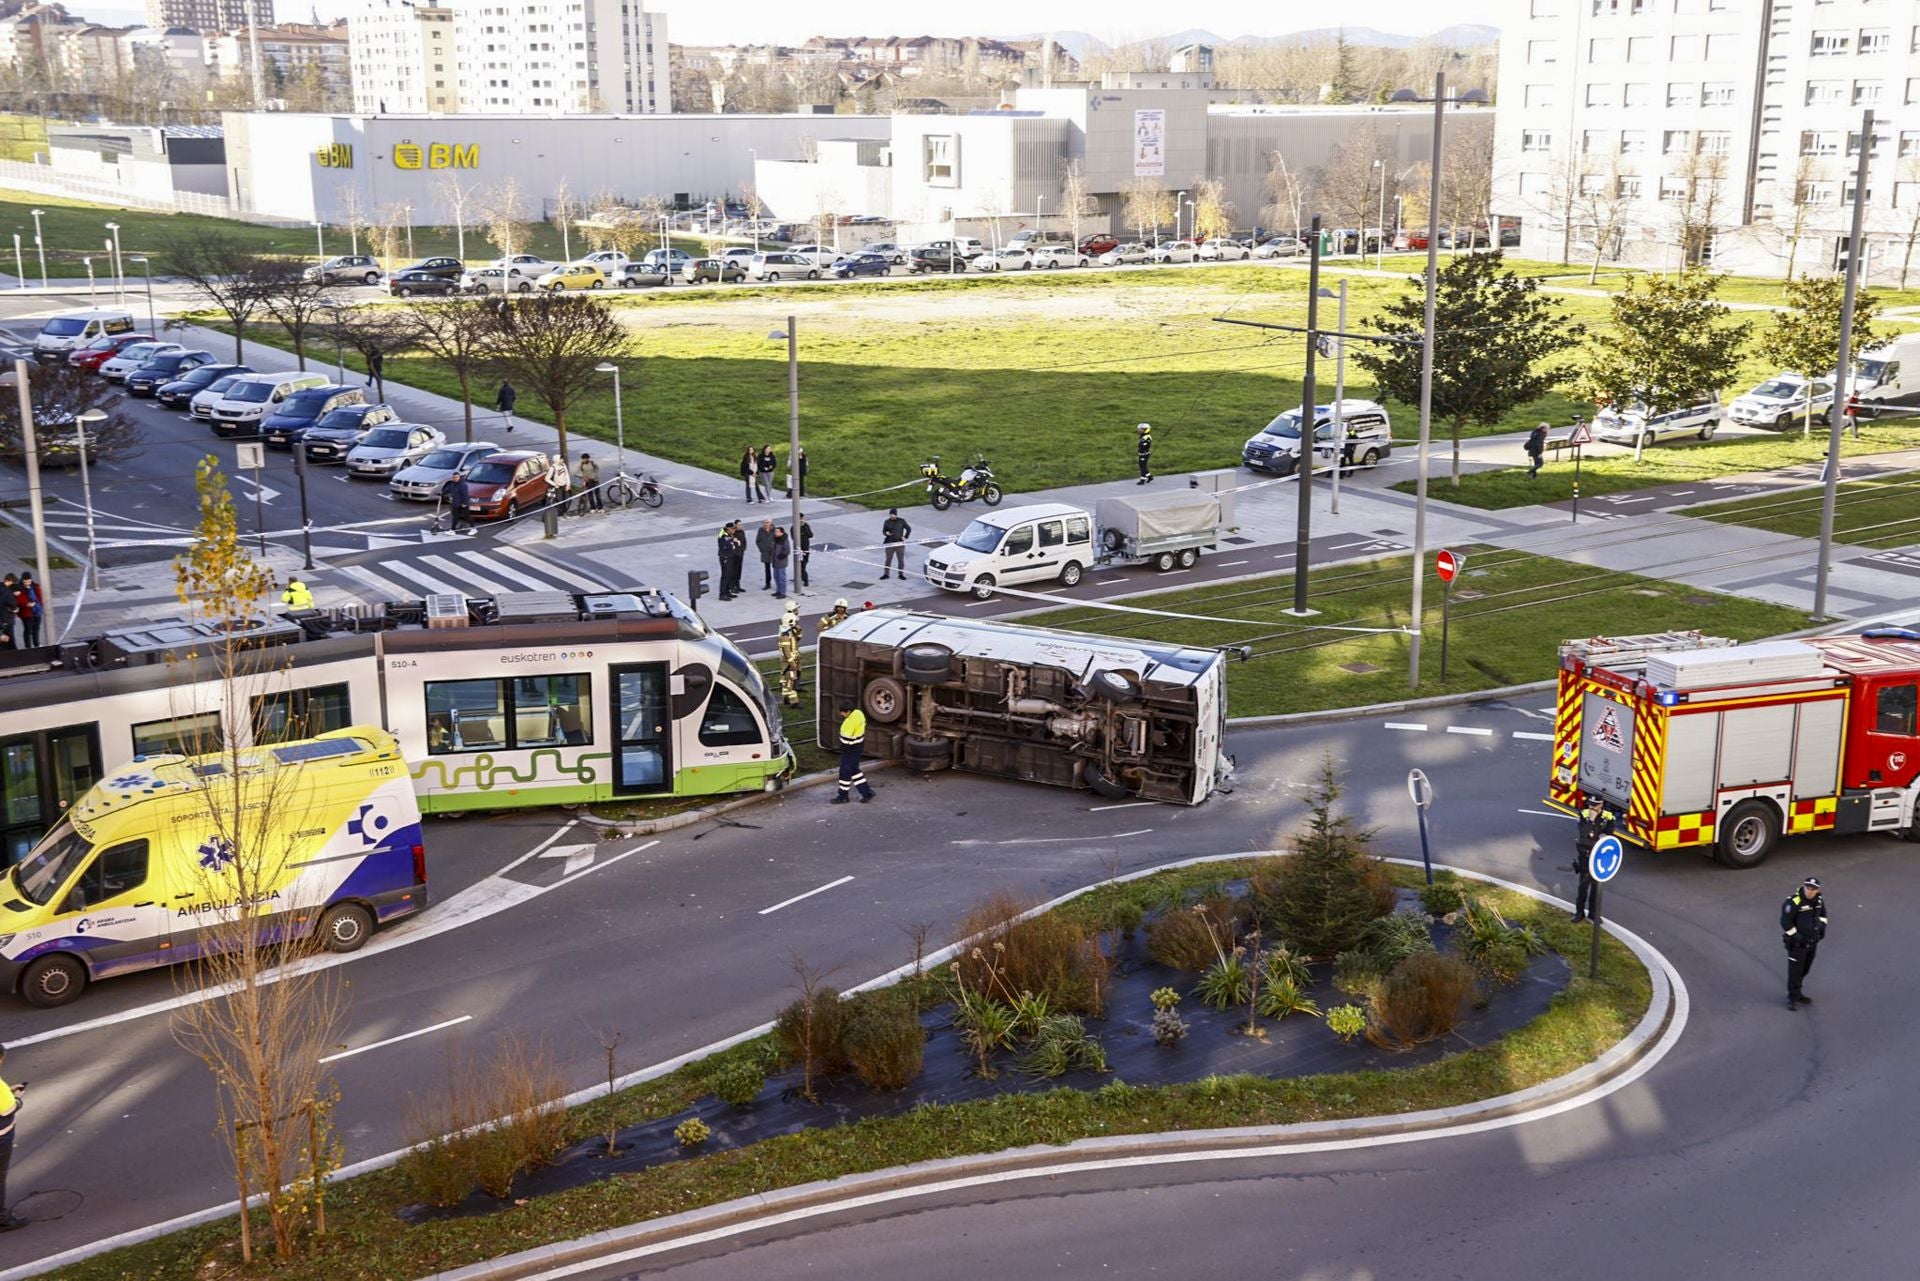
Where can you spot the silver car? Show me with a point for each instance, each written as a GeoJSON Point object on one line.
{"type": "Point", "coordinates": [427, 479]}
{"type": "Point", "coordinates": [494, 280]}
{"type": "Point", "coordinates": [385, 450]}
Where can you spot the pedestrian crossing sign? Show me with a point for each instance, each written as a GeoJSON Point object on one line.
{"type": "Point", "coordinates": [1582, 434]}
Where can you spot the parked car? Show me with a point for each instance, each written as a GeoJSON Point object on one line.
{"type": "Point", "coordinates": [529, 266]}
{"type": "Point", "coordinates": [739, 255]}
{"type": "Point", "coordinates": [925, 259]}
{"type": "Point", "coordinates": [1781, 401]}
{"type": "Point", "coordinates": [305, 408]}
{"type": "Point", "coordinates": [184, 388]}
{"type": "Point", "coordinates": [781, 266]}
{"type": "Point", "coordinates": [1633, 424]}
{"type": "Point", "coordinates": [1006, 259]}
{"type": "Point", "coordinates": [573, 276]}
{"type": "Point", "coordinates": [102, 349]}
{"type": "Point", "coordinates": [494, 280]}
{"type": "Point", "coordinates": [405, 284]}
{"type": "Point", "coordinates": [129, 358]}
{"type": "Point", "coordinates": [724, 270]}
{"type": "Point", "coordinates": [336, 432]}
{"type": "Point", "coordinates": [963, 247]}
{"type": "Point", "coordinates": [164, 368]}
{"type": "Point", "coordinates": [448, 269]}
{"type": "Point", "coordinates": [640, 275]}
{"type": "Point", "coordinates": [344, 268]}
{"type": "Point", "coordinates": [895, 254]}
{"type": "Point", "coordinates": [1280, 247]}
{"type": "Point", "coordinates": [1174, 251]}
{"type": "Point", "coordinates": [607, 260]}
{"type": "Point", "coordinates": [336, 424]}
{"type": "Point", "coordinates": [669, 259]}
{"type": "Point", "coordinates": [427, 479]}
{"type": "Point", "coordinates": [1059, 256]}
{"type": "Point", "coordinates": [507, 483]}
{"type": "Point", "coordinates": [863, 265]}
{"type": "Point", "coordinates": [1276, 447]}
{"type": "Point", "coordinates": [1127, 252]}
{"type": "Point", "coordinates": [819, 255]}
{"type": "Point", "coordinates": [1098, 243]}
{"type": "Point", "coordinates": [251, 397]}
{"type": "Point", "coordinates": [1224, 250]}
{"type": "Point", "coordinates": [200, 404]}
{"type": "Point", "coordinates": [386, 449]}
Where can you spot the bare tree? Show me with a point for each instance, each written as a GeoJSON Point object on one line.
{"type": "Point", "coordinates": [224, 272]}
{"type": "Point", "coordinates": [1285, 196]}
{"type": "Point", "coordinates": [1466, 181]}
{"type": "Point", "coordinates": [1352, 182]}
{"type": "Point", "coordinates": [750, 197]}
{"type": "Point", "coordinates": [503, 211]}
{"type": "Point", "coordinates": [1910, 175]}
{"type": "Point", "coordinates": [375, 333]}
{"type": "Point", "coordinates": [1076, 200]}
{"type": "Point", "coordinates": [1793, 204]}
{"type": "Point", "coordinates": [289, 296]}
{"type": "Point", "coordinates": [388, 234]}
{"type": "Point", "coordinates": [458, 197]}
{"type": "Point", "coordinates": [550, 345]}
{"type": "Point", "coordinates": [1147, 206]}
{"type": "Point", "coordinates": [1602, 202]}
{"type": "Point", "coordinates": [1702, 211]}
{"type": "Point", "coordinates": [353, 213]}
{"type": "Point", "coordinates": [57, 394]}
{"type": "Point", "coordinates": [460, 333]}
{"type": "Point", "coordinates": [565, 206]}
{"type": "Point", "coordinates": [649, 222]}
{"type": "Point", "coordinates": [1212, 211]}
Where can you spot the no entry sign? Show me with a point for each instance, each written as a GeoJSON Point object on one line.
{"type": "Point", "coordinates": [1447, 564]}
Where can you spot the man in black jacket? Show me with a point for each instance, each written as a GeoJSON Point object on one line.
{"type": "Point", "coordinates": [806, 548]}
{"type": "Point", "coordinates": [763, 544]}
{"type": "Point", "coordinates": [1803, 923]}
{"type": "Point", "coordinates": [894, 533]}
{"type": "Point", "coordinates": [723, 549]}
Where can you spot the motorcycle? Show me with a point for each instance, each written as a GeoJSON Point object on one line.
{"type": "Point", "coordinates": [974, 482]}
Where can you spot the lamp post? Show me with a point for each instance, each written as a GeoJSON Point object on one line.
{"type": "Point", "coordinates": [119, 269]}
{"type": "Point", "coordinates": [1193, 223]}
{"type": "Point", "coordinates": [1039, 216]}
{"type": "Point", "coordinates": [619, 421]}
{"type": "Point", "coordinates": [86, 487]}
{"type": "Point", "coordinates": [409, 209]}
{"type": "Point", "coordinates": [1179, 198]}
{"type": "Point", "coordinates": [36, 509]}
{"type": "Point", "coordinates": [792, 336]}
{"type": "Point", "coordinates": [1426, 375]}
{"type": "Point", "coordinates": [40, 246]}
{"type": "Point", "coordinates": [339, 354]}
{"type": "Point", "coordinates": [89, 266]}
{"type": "Point", "coordinates": [1380, 243]}
{"type": "Point", "coordinates": [753, 163]}
{"type": "Point", "coordinates": [1844, 373]}
{"type": "Point", "coordinates": [146, 269]}
{"type": "Point", "coordinates": [19, 264]}
{"type": "Point", "coordinates": [320, 238]}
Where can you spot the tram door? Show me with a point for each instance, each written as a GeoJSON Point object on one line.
{"type": "Point", "coordinates": [643, 728]}
{"type": "Point", "coordinates": [41, 774]}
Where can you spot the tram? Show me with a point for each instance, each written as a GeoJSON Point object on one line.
{"type": "Point", "coordinates": [521, 699]}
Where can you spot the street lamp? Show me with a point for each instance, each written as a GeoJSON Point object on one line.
{"type": "Point", "coordinates": [1426, 367]}
{"type": "Point", "coordinates": [339, 353]}
{"type": "Point", "coordinates": [119, 271]}
{"type": "Point", "coordinates": [1380, 244]}
{"type": "Point", "coordinates": [619, 422]}
{"type": "Point", "coordinates": [86, 487]}
{"type": "Point", "coordinates": [1039, 216]}
{"type": "Point", "coordinates": [146, 269]}
{"type": "Point", "coordinates": [1193, 222]}
{"type": "Point", "coordinates": [753, 163]}
{"type": "Point", "coordinates": [791, 335]}
{"type": "Point", "coordinates": [89, 265]}
{"type": "Point", "coordinates": [19, 265]}
{"type": "Point", "coordinates": [1178, 197]}
{"type": "Point", "coordinates": [409, 209]}
{"type": "Point", "coordinates": [320, 238]}
{"type": "Point", "coordinates": [40, 246]}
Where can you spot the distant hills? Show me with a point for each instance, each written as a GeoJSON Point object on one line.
{"type": "Point", "coordinates": [1461, 35]}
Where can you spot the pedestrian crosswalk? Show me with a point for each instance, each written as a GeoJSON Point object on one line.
{"type": "Point", "coordinates": [439, 569]}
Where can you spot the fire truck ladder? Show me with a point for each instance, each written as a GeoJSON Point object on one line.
{"type": "Point", "coordinates": [1632, 652]}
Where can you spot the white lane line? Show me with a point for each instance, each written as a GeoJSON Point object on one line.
{"type": "Point", "coordinates": [1340, 547]}
{"type": "Point", "coordinates": [1545, 813]}
{"type": "Point", "coordinates": [1530, 734]}
{"type": "Point", "coordinates": [972, 604]}
{"type": "Point", "coordinates": [1622, 502]}
{"type": "Point", "coordinates": [1101, 809]}
{"type": "Point", "coordinates": [428, 581]}
{"type": "Point", "coordinates": [1675, 493]}
{"type": "Point", "coordinates": [490, 566]}
{"type": "Point", "coordinates": [1104, 582]}
{"type": "Point", "coordinates": [1229, 564]}
{"type": "Point", "coordinates": [552, 569]}
{"type": "Point", "coordinates": [789, 902]}
{"type": "Point", "coordinates": [395, 1040]}
{"type": "Point", "coordinates": [483, 585]}
{"type": "Point", "coordinates": [1408, 725]}
{"type": "Point", "coordinates": [1475, 730]}
{"type": "Point", "coordinates": [572, 875]}
{"type": "Point", "coordinates": [1057, 840]}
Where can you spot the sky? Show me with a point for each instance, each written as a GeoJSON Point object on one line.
{"type": "Point", "coordinates": [759, 21]}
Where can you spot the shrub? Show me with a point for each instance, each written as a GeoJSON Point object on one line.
{"type": "Point", "coordinates": [1190, 938]}
{"type": "Point", "coordinates": [1029, 1012]}
{"type": "Point", "coordinates": [1126, 917]}
{"type": "Point", "coordinates": [1396, 936]}
{"type": "Point", "coordinates": [1445, 895]}
{"type": "Point", "coordinates": [884, 1041]}
{"type": "Point", "coordinates": [493, 1121]}
{"type": "Point", "coordinates": [1281, 997]}
{"type": "Point", "coordinates": [1347, 1021]}
{"type": "Point", "coordinates": [1049, 955]}
{"type": "Point", "coordinates": [984, 1024]}
{"type": "Point", "coordinates": [1356, 972]}
{"type": "Point", "coordinates": [1169, 1029]}
{"type": "Point", "coordinates": [1496, 949]}
{"type": "Point", "coordinates": [1322, 899]}
{"type": "Point", "coordinates": [738, 1082]}
{"type": "Point", "coordinates": [1063, 1045]}
{"type": "Point", "coordinates": [692, 1132]}
{"type": "Point", "coordinates": [1226, 982]}
{"type": "Point", "coordinates": [1164, 998]}
{"type": "Point", "coordinates": [812, 1032]}
{"type": "Point", "coordinates": [1419, 1001]}
{"type": "Point", "coordinates": [1282, 964]}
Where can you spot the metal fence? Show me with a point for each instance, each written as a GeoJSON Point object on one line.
{"type": "Point", "coordinates": [48, 181]}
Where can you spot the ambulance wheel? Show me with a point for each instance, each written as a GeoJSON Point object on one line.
{"type": "Point", "coordinates": [1747, 834]}
{"type": "Point", "coordinates": [885, 700]}
{"type": "Point", "coordinates": [344, 927]}
{"type": "Point", "coordinates": [53, 980]}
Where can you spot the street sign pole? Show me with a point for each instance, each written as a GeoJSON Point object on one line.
{"type": "Point", "coordinates": [1578, 438]}
{"type": "Point", "coordinates": [1604, 861]}
{"type": "Point", "coordinates": [252, 456]}
{"type": "Point", "coordinates": [1446, 623]}
{"type": "Point", "coordinates": [1422, 792]}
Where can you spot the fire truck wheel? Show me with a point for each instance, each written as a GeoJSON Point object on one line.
{"type": "Point", "coordinates": [929, 754]}
{"type": "Point", "coordinates": [926, 664]}
{"type": "Point", "coordinates": [1100, 784]}
{"type": "Point", "coordinates": [1747, 834]}
{"type": "Point", "coordinates": [1115, 687]}
{"type": "Point", "coordinates": [885, 700]}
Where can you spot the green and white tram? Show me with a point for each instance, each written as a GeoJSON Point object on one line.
{"type": "Point", "coordinates": [537, 698]}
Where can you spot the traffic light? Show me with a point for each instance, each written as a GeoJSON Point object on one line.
{"type": "Point", "coordinates": [696, 587]}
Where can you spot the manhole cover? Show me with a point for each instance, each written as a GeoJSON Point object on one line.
{"type": "Point", "coordinates": [1359, 669]}
{"type": "Point", "coordinates": [1238, 541]}
{"type": "Point", "coordinates": [44, 1207]}
{"type": "Point", "coordinates": [856, 587]}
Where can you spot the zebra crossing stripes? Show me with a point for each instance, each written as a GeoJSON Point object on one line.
{"type": "Point", "coordinates": [581, 582]}
{"type": "Point", "coordinates": [467, 573]}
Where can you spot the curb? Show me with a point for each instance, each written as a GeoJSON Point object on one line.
{"type": "Point", "coordinates": [1635, 1053]}
{"type": "Point", "coordinates": [687, 818]}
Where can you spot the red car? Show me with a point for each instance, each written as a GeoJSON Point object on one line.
{"type": "Point", "coordinates": [1098, 243]}
{"type": "Point", "coordinates": [102, 349]}
{"type": "Point", "coordinates": [506, 484]}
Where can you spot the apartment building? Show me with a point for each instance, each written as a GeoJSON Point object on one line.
{"type": "Point", "coordinates": [209, 15]}
{"type": "Point", "coordinates": [1657, 132]}
{"type": "Point", "coordinates": [288, 52]}
{"type": "Point", "coordinates": [509, 57]}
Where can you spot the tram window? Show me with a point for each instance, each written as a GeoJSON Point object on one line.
{"type": "Point", "coordinates": [464, 716]}
{"type": "Point", "coordinates": [550, 711]}
{"type": "Point", "coordinates": [1894, 710]}
{"type": "Point", "coordinates": [728, 721]}
{"type": "Point", "coordinates": [301, 713]}
{"type": "Point", "coordinates": [521, 712]}
{"type": "Point", "coordinates": [188, 735]}
{"type": "Point", "coordinates": [118, 869]}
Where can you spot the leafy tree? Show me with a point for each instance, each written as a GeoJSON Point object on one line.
{"type": "Point", "coordinates": [1805, 337]}
{"type": "Point", "coordinates": [1670, 345]}
{"type": "Point", "coordinates": [550, 344]}
{"type": "Point", "coordinates": [1212, 211]}
{"type": "Point", "coordinates": [1322, 900]}
{"type": "Point", "coordinates": [1494, 342]}
{"type": "Point", "coordinates": [1147, 205]}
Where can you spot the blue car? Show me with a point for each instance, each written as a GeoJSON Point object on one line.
{"type": "Point", "coordinates": [862, 265]}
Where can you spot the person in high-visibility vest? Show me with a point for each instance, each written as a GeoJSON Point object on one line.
{"type": "Point", "coordinates": [296, 596]}
{"type": "Point", "coordinates": [9, 1109]}
{"type": "Point", "coordinates": [853, 737]}
{"type": "Point", "coordinates": [837, 616]}
{"type": "Point", "coordinates": [790, 655]}
{"type": "Point", "coordinates": [1145, 431]}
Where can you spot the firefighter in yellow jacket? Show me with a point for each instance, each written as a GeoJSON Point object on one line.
{"type": "Point", "coordinates": [839, 614]}
{"type": "Point", "coordinates": [853, 737]}
{"type": "Point", "coordinates": [790, 655]}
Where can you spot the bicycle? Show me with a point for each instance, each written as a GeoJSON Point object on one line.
{"type": "Point", "coordinates": [624, 491]}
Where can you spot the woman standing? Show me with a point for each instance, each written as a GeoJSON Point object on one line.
{"type": "Point", "coordinates": [749, 468]}
{"type": "Point", "coordinates": [766, 464]}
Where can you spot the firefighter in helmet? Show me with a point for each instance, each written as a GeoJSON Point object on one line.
{"type": "Point", "coordinates": [839, 614]}
{"type": "Point", "coordinates": [790, 655]}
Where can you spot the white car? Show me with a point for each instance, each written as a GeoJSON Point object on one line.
{"type": "Point", "coordinates": [202, 403]}
{"type": "Point", "coordinates": [1175, 251]}
{"type": "Point", "coordinates": [530, 266]}
{"type": "Point", "coordinates": [133, 356]}
{"type": "Point", "coordinates": [386, 449]}
{"type": "Point", "coordinates": [1120, 255]}
{"type": "Point", "coordinates": [607, 260]}
{"type": "Point", "coordinates": [1781, 402]}
{"type": "Point", "coordinates": [895, 254]}
{"type": "Point", "coordinates": [818, 255]}
{"type": "Point", "coordinates": [1059, 256]}
{"type": "Point", "coordinates": [782, 266]}
{"type": "Point", "coordinates": [495, 280]}
{"type": "Point", "coordinates": [1224, 251]}
{"type": "Point", "coordinates": [741, 255]}
{"type": "Point", "coordinates": [427, 479]}
{"type": "Point", "coordinates": [1005, 259]}
{"type": "Point", "coordinates": [1280, 247]}
{"type": "Point", "coordinates": [1634, 425]}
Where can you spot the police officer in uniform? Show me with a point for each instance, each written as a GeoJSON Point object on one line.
{"type": "Point", "coordinates": [839, 614]}
{"type": "Point", "coordinates": [1146, 454]}
{"type": "Point", "coordinates": [1803, 923]}
{"type": "Point", "coordinates": [853, 736]}
{"type": "Point", "coordinates": [724, 551]}
{"type": "Point", "coordinates": [790, 655]}
{"type": "Point", "coordinates": [1595, 823]}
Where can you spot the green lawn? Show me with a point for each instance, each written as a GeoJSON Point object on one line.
{"type": "Point", "coordinates": [1511, 610]}
{"type": "Point", "coordinates": [22, 138]}
{"type": "Point", "coordinates": [1675, 462]}
{"type": "Point", "coordinates": [1881, 512]}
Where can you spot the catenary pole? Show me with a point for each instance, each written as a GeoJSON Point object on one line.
{"type": "Point", "coordinates": [1426, 378]}
{"type": "Point", "coordinates": [1843, 368]}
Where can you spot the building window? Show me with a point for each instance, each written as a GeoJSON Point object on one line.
{"type": "Point", "coordinates": [1909, 143]}
{"type": "Point", "coordinates": [1716, 142]}
{"type": "Point", "coordinates": [1633, 142]}
{"type": "Point", "coordinates": [1683, 95]}
{"type": "Point", "coordinates": [1876, 39]}
{"type": "Point", "coordinates": [1592, 141]}
{"type": "Point", "coordinates": [1640, 49]}
{"type": "Point", "coordinates": [1605, 8]}
{"type": "Point", "coordinates": [1906, 195]}
{"type": "Point", "coordinates": [1873, 147]}
{"type": "Point", "coordinates": [1674, 142]}
{"type": "Point", "coordinates": [1593, 184]}
{"type": "Point", "coordinates": [1866, 93]}
{"type": "Point", "coordinates": [1599, 95]}
{"type": "Point", "coordinates": [1717, 93]}
{"type": "Point", "coordinates": [1721, 48]}
{"type": "Point", "coordinates": [301, 713]}
{"type": "Point", "coordinates": [1684, 49]}
{"type": "Point", "coordinates": [1539, 96]}
{"type": "Point", "coordinates": [1846, 194]}
{"type": "Point", "coordinates": [1546, 8]}
{"type": "Point", "coordinates": [1832, 93]}
{"type": "Point", "coordinates": [1673, 190]}
{"type": "Point", "coordinates": [1627, 187]}
{"type": "Point", "coordinates": [1601, 51]}
{"type": "Point", "coordinates": [1830, 44]}
{"type": "Point", "coordinates": [1819, 144]}
{"type": "Point", "coordinates": [1816, 193]}
{"type": "Point", "coordinates": [1533, 184]}
{"type": "Point", "coordinates": [941, 160]}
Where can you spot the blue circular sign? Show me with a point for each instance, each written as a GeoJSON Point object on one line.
{"type": "Point", "coordinates": [1606, 858]}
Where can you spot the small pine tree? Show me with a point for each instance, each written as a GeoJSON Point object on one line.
{"type": "Point", "coordinates": [1322, 899]}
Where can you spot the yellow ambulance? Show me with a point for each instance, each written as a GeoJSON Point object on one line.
{"type": "Point", "coordinates": [318, 838]}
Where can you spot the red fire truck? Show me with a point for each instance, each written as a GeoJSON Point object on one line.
{"type": "Point", "coordinates": [1699, 743]}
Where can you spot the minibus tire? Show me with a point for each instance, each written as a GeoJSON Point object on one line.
{"type": "Point", "coordinates": [53, 980]}
{"type": "Point", "coordinates": [344, 927]}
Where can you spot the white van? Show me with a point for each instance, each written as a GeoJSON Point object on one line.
{"type": "Point", "coordinates": [1887, 378]}
{"type": "Point", "coordinates": [1043, 542]}
{"type": "Point", "coordinates": [252, 397]}
{"type": "Point", "coordinates": [71, 329]}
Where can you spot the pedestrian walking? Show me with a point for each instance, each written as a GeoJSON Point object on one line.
{"type": "Point", "coordinates": [296, 596]}
{"type": "Point", "coordinates": [853, 739]}
{"type": "Point", "coordinates": [765, 464]}
{"type": "Point", "coordinates": [782, 558]}
{"type": "Point", "coordinates": [749, 468]}
{"type": "Point", "coordinates": [790, 637]}
{"type": "Point", "coordinates": [1145, 432]}
{"type": "Point", "coordinates": [806, 549]}
{"type": "Point", "coordinates": [723, 550]}
{"type": "Point", "coordinates": [31, 605]}
{"type": "Point", "coordinates": [1536, 448]}
{"type": "Point", "coordinates": [763, 545]}
{"type": "Point", "coordinates": [503, 402]}
{"type": "Point", "coordinates": [589, 486]}
{"type": "Point", "coordinates": [377, 373]}
{"type": "Point", "coordinates": [559, 482]}
{"type": "Point", "coordinates": [1803, 923]}
{"type": "Point", "coordinates": [9, 1112]}
{"type": "Point", "coordinates": [797, 472]}
{"type": "Point", "coordinates": [1595, 822]}
{"type": "Point", "coordinates": [894, 533]}
{"type": "Point", "coordinates": [9, 611]}
{"type": "Point", "coordinates": [1850, 415]}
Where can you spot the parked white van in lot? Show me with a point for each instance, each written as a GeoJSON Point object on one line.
{"type": "Point", "coordinates": [253, 396]}
{"type": "Point", "coordinates": [71, 329]}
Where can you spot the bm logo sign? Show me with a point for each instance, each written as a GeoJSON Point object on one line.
{"type": "Point", "coordinates": [436, 155]}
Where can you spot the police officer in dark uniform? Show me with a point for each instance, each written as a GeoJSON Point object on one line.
{"type": "Point", "coordinates": [1146, 454]}
{"type": "Point", "coordinates": [1803, 923]}
{"type": "Point", "coordinates": [1595, 823]}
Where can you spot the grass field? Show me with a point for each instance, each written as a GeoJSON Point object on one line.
{"type": "Point", "coordinates": [22, 137]}
{"type": "Point", "coordinates": [1673, 463]}
{"type": "Point", "coordinates": [1510, 611]}
{"type": "Point", "coordinates": [1882, 512]}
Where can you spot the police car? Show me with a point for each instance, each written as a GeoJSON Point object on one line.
{"type": "Point", "coordinates": [1276, 448]}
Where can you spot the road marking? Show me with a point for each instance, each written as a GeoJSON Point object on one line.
{"type": "Point", "coordinates": [577, 856]}
{"type": "Point", "coordinates": [491, 566]}
{"type": "Point", "coordinates": [1622, 502]}
{"type": "Point", "coordinates": [1340, 547]}
{"type": "Point", "coordinates": [1675, 493]}
{"type": "Point", "coordinates": [789, 902]}
{"type": "Point", "coordinates": [972, 604]}
{"type": "Point", "coordinates": [1530, 734]}
{"type": "Point", "coordinates": [1406, 725]}
{"type": "Point", "coordinates": [1475, 730]}
{"type": "Point", "coordinates": [395, 1040]}
{"type": "Point", "coordinates": [1545, 813]}
{"type": "Point", "coordinates": [1056, 840]}
{"type": "Point", "coordinates": [1229, 564]}
{"type": "Point", "coordinates": [1104, 582]}
{"type": "Point", "coordinates": [481, 584]}
{"type": "Point", "coordinates": [552, 569]}
{"type": "Point", "coordinates": [1101, 809]}
{"type": "Point", "coordinates": [417, 575]}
